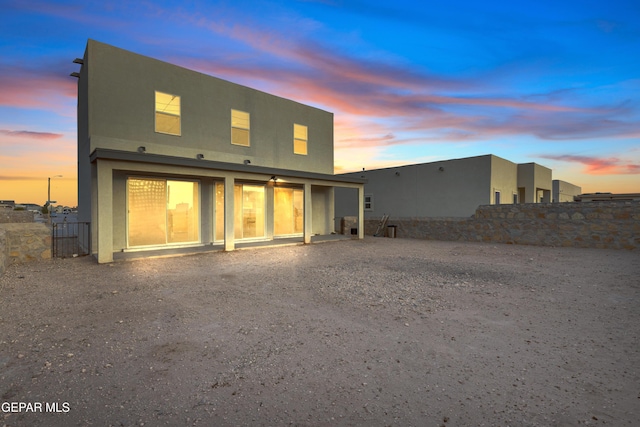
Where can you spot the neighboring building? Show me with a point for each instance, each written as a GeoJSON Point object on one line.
{"type": "Point", "coordinates": [62, 209]}
{"type": "Point", "coordinates": [169, 157]}
{"type": "Point", "coordinates": [8, 203]}
{"type": "Point", "coordinates": [607, 197]}
{"type": "Point", "coordinates": [534, 183]}
{"type": "Point", "coordinates": [32, 207]}
{"type": "Point", "coordinates": [564, 191]}
{"type": "Point", "coordinates": [450, 188]}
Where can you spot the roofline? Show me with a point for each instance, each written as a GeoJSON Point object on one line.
{"type": "Point", "coordinates": [129, 156]}
{"type": "Point", "coordinates": [173, 64]}
{"type": "Point", "coordinates": [442, 161]}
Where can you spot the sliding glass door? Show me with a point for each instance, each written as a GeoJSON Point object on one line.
{"type": "Point", "coordinates": [288, 215]}
{"type": "Point", "coordinates": [249, 211]}
{"type": "Point", "coordinates": [162, 212]}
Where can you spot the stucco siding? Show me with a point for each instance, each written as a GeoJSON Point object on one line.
{"type": "Point", "coordinates": [122, 116]}
{"type": "Point", "coordinates": [447, 188]}
{"type": "Point", "coordinates": [534, 183]}
{"type": "Point", "coordinates": [504, 179]}
{"type": "Point", "coordinates": [564, 191]}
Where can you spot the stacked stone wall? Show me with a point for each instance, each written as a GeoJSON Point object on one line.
{"type": "Point", "coordinates": [9, 216]}
{"type": "Point", "coordinates": [3, 253]}
{"type": "Point", "coordinates": [23, 243]}
{"type": "Point", "coordinates": [613, 225]}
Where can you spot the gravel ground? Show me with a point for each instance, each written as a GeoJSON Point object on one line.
{"type": "Point", "coordinates": [380, 332]}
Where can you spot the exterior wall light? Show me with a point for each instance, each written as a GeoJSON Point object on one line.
{"type": "Point", "coordinates": [247, 162]}
{"type": "Point", "coordinates": [200, 156]}
{"type": "Point", "coordinates": [142, 149]}
{"type": "Point", "coordinates": [441, 169]}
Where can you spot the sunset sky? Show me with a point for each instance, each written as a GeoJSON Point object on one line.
{"type": "Point", "coordinates": [552, 82]}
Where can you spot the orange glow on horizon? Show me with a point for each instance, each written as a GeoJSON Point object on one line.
{"type": "Point", "coordinates": [24, 189]}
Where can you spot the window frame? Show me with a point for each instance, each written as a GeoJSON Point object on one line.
{"type": "Point", "coordinates": [156, 112]}
{"type": "Point", "coordinates": [197, 201]}
{"type": "Point", "coordinates": [295, 191]}
{"type": "Point", "coordinates": [248, 128]}
{"type": "Point", "coordinates": [370, 202]}
{"type": "Point", "coordinates": [297, 141]}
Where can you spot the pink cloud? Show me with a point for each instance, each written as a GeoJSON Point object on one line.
{"type": "Point", "coordinates": [30, 134]}
{"type": "Point", "coordinates": [414, 100]}
{"type": "Point", "coordinates": [454, 117]}
{"type": "Point", "coordinates": [411, 100]}
{"type": "Point", "coordinates": [598, 165]}
{"type": "Point", "coordinates": [35, 88]}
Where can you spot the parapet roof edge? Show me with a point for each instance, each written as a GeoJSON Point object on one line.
{"type": "Point", "coordinates": [130, 52]}
{"type": "Point", "coordinates": [424, 163]}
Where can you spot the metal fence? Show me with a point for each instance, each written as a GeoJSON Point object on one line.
{"type": "Point", "coordinates": [70, 239]}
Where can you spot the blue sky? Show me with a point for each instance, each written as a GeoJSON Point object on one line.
{"type": "Point", "coordinates": [557, 83]}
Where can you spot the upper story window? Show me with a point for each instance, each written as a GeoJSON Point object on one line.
{"type": "Point", "coordinates": [240, 128]}
{"type": "Point", "coordinates": [299, 139]}
{"type": "Point", "coordinates": [167, 113]}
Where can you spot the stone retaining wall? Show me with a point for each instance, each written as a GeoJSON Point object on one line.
{"type": "Point", "coordinates": [3, 253]}
{"type": "Point", "coordinates": [23, 243]}
{"type": "Point", "coordinates": [588, 224]}
{"type": "Point", "coordinates": [9, 216]}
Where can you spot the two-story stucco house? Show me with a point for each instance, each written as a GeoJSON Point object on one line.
{"type": "Point", "coordinates": [169, 157]}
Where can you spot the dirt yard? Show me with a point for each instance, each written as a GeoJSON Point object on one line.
{"type": "Point", "coordinates": [380, 332]}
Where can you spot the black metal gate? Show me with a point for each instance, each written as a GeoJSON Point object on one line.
{"type": "Point", "coordinates": [70, 239]}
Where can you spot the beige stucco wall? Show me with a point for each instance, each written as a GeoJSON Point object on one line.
{"type": "Point", "coordinates": [564, 191]}
{"type": "Point", "coordinates": [322, 214]}
{"type": "Point", "coordinates": [534, 183]}
{"type": "Point", "coordinates": [450, 188]}
{"type": "Point", "coordinates": [504, 179]}
{"type": "Point", "coordinates": [121, 114]}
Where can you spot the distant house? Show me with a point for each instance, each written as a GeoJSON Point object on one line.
{"type": "Point", "coordinates": [564, 191]}
{"type": "Point", "coordinates": [32, 207]}
{"type": "Point", "coordinates": [607, 197]}
{"type": "Point", "coordinates": [169, 157]}
{"type": "Point", "coordinates": [449, 188]}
